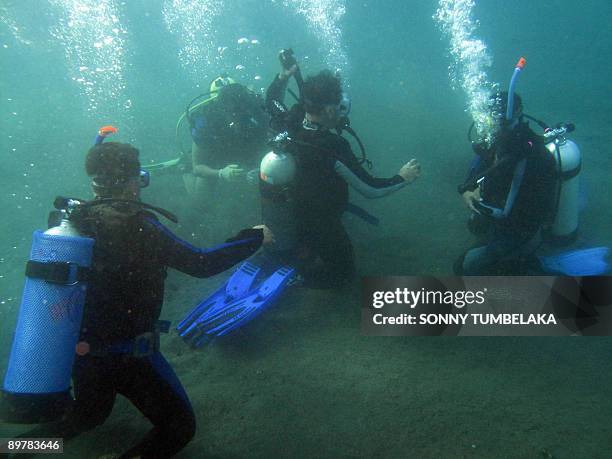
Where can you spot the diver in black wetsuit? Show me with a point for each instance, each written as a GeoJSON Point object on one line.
{"type": "Point", "coordinates": [118, 352]}
{"type": "Point", "coordinates": [510, 190]}
{"type": "Point", "coordinates": [229, 132]}
{"type": "Point", "coordinates": [325, 167]}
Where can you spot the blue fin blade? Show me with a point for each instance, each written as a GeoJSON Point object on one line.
{"type": "Point", "coordinates": [251, 306]}
{"type": "Point", "coordinates": [238, 285]}
{"type": "Point", "coordinates": [584, 262]}
{"type": "Point", "coordinates": [199, 309]}
{"type": "Point", "coordinates": [247, 308]}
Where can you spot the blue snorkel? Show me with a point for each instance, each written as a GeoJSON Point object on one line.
{"type": "Point", "coordinates": [517, 70]}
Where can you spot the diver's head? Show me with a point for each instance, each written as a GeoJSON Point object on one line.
{"type": "Point", "coordinates": [324, 101]}
{"type": "Point", "coordinates": [236, 96]}
{"type": "Point", "coordinates": [219, 83]}
{"type": "Point", "coordinates": [242, 111]}
{"type": "Point", "coordinates": [499, 106]}
{"type": "Point", "coordinates": [115, 171]}
{"type": "Point", "coordinates": [497, 124]}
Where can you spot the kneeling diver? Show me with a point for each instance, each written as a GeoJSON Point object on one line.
{"type": "Point", "coordinates": [523, 190]}
{"type": "Point", "coordinates": [116, 285]}
{"type": "Point", "coordinates": [304, 185]}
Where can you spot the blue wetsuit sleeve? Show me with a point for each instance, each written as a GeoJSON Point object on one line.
{"type": "Point", "coordinates": [198, 262]}
{"type": "Point", "coordinates": [476, 166]}
{"type": "Point", "coordinates": [197, 130]}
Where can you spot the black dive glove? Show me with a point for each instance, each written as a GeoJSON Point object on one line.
{"type": "Point", "coordinates": [249, 233]}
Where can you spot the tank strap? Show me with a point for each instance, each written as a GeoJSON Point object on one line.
{"type": "Point", "coordinates": [57, 272]}
{"type": "Point", "coordinates": [362, 213]}
{"type": "Point", "coordinates": [565, 176]}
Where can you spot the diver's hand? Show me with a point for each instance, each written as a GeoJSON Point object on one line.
{"type": "Point", "coordinates": [231, 173]}
{"type": "Point", "coordinates": [287, 73]}
{"type": "Point", "coordinates": [252, 176]}
{"type": "Point", "coordinates": [268, 236]}
{"type": "Point", "coordinates": [410, 171]}
{"type": "Point", "coordinates": [470, 198]}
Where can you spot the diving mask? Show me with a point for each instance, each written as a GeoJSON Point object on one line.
{"type": "Point", "coordinates": [344, 107]}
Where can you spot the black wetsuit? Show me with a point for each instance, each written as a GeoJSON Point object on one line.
{"type": "Point", "coordinates": [132, 252]}
{"type": "Point", "coordinates": [326, 166]}
{"type": "Point", "coordinates": [231, 129]}
{"type": "Point", "coordinates": [525, 164]}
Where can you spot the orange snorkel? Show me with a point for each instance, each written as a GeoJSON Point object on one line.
{"type": "Point", "coordinates": [103, 132]}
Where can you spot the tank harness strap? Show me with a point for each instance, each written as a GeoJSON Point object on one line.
{"type": "Point", "coordinates": [565, 176]}
{"type": "Point", "coordinates": [362, 213]}
{"type": "Point", "coordinates": [57, 272]}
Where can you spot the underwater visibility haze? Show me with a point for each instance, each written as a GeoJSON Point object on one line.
{"type": "Point", "coordinates": [300, 380]}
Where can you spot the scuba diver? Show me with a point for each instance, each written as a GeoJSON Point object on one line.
{"type": "Point", "coordinates": [304, 191]}
{"type": "Point", "coordinates": [118, 347]}
{"type": "Point", "coordinates": [228, 131]}
{"type": "Point", "coordinates": [510, 192]}
{"type": "Point", "coordinates": [523, 193]}
{"type": "Point", "coordinates": [322, 167]}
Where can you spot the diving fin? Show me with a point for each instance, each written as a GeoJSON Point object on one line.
{"type": "Point", "coordinates": [583, 262]}
{"type": "Point", "coordinates": [234, 304]}
{"type": "Point", "coordinates": [243, 310]}
{"type": "Point", "coordinates": [238, 285]}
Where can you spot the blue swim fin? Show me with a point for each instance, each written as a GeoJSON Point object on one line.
{"type": "Point", "coordinates": [234, 304]}
{"type": "Point", "coordinates": [583, 262]}
{"type": "Point", "coordinates": [238, 285]}
{"type": "Point", "coordinates": [244, 309]}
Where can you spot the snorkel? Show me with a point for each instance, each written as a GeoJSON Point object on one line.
{"type": "Point", "coordinates": [103, 132]}
{"type": "Point", "coordinates": [144, 178]}
{"type": "Point", "coordinates": [510, 105]}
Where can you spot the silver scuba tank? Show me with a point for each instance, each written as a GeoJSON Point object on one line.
{"type": "Point", "coordinates": [568, 159]}
{"type": "Point", "coordinates": [65, 228]}
{"type": "Point", "coordinates": [277, 173]}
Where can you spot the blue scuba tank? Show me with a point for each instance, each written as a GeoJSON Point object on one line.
{"type": "Point", "coordinates": [37, 382]}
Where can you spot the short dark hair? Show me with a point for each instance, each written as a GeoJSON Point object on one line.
{"type": "Point", "coordinates": [320, 90]}
{"type": "Point", "coordinates": [233, 93]}
{"type": "Point", "coordinates": [113, 159]}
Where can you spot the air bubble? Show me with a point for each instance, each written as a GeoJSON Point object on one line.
{"type": "Point", "coordinates": [471, 60]}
